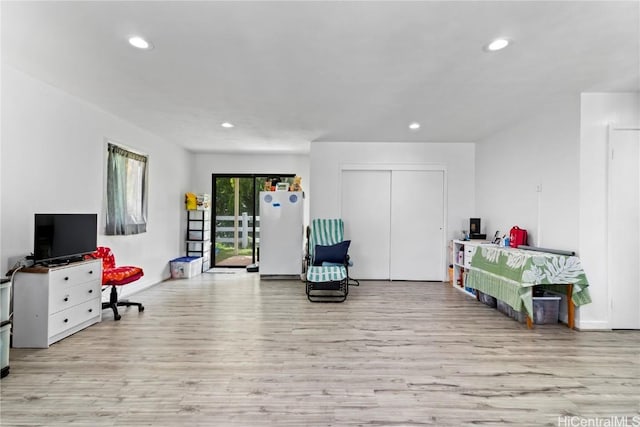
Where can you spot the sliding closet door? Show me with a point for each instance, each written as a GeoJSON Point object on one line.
{"type": "Point", "coordinates": [624, 229]}
{"type": "Point", "coordinates": [417, 225]}
{"type": "Point", "coordinates": [366, 196]}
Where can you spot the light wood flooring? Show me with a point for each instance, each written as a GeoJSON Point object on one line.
{"type": "Point", "coordinates": [230, 350]}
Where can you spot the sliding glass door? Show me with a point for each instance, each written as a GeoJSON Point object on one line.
{"type": "Point", "coordinates": [236, 220]}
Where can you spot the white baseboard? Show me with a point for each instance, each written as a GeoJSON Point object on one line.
{"type": "Point", "coordinates": [595, 325]}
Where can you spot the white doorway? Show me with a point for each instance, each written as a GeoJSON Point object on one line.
{"type": "Point", "coordinates": [395, 219]}
{"type": "Point", "coordinates": [624, 228]}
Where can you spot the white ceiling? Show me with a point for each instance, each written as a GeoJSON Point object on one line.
{"type": "Point", "coordinates": [288, 73]}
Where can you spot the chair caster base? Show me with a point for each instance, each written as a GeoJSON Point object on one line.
{"type": "Point", "coordinates": [114, 303]}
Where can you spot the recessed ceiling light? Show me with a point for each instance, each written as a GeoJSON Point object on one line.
{"type": "Point", "coordinates": [497, 44]}
{"type": "Point", "coordinates": [140, 43]}
{"type": "Point", "coordinates": [414, 126]}
{"type": "Point", "coordinates": [227, 125]}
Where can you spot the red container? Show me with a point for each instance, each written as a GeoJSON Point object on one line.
{"type": "Point", "coordinates": [517, 237]}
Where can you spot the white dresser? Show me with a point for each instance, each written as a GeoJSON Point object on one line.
{"type": "Point", "coordinates": [52, 303]}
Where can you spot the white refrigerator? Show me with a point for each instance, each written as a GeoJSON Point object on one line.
{"type": "Point", "coordinates": [281, 233]}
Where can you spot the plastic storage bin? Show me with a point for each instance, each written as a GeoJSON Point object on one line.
{"type": "Point", "coordinates": [198, 246]}
{"type": "Point", "coordinates": [503, 307]}
{"type": "Point", "coordinates": [563, 315]}
{"type": "Point", "coordinates": [198, 235]}
{"type": "Point", "coordinates": [5, 331]}
{"type": "Point", "coordinates": [545, 309]}
{"type": "Point", "coordinates": [487, 299]}
{"type": "Point", "coordinates": [506, 309]}
{"type": "Point", "coordinates": [520, 316]}
{"type": "Point", "coordinates": [200, 215]}
{"type": "Point", "coordinates": [185, 267]}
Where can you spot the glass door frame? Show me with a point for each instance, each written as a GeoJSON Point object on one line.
{"type": "Point", "coordinates": [256, 189]}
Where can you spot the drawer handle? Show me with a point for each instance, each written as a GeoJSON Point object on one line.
{"type": "Point", "coordinates": [91, 310]}
{"type": "Point", "coordinates": [66, 278]}
{"type": "Point", "coordinates": [66, 298]}
{"type": "Point", "coordinates": [66, 320]}
{"type": "Point", "coordinates": [90, 291]}
{"type": "Point", "coordinates": [90, 271]}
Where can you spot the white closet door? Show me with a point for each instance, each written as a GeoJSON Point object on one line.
{"type": "Point", "coordinates": [624, 229]}
{"type": "Point", "coordinates": [417, 225]}
{"type": "Point", "coordinates": [366, 196]}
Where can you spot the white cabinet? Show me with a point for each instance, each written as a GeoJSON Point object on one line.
{"type": "Point", "coordinates": [462, 252]}
{"type": "Point", "coordinates": [52, 303]}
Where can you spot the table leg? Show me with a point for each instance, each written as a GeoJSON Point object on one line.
{"type": "Point", "coordinates": [529, 322]}
{"type": "Point", "coordinates": [570, 307]}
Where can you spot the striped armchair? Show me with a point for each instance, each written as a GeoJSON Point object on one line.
{"type": "Point", "coordinates": [327, 261]}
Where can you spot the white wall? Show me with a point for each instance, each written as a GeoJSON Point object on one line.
{"type": "Point", "coordinates": [53, 156]}
{"type": "Point", "coordinates": [563, 149]}
{"type": "Point", "coordinates": [204, 165]}
{"type": "Point", "coordinates": [459, 159]}
{"type": "Point", "coordinates": [538, 153]}
{"type": "Point", "coordinates": [598, 110]}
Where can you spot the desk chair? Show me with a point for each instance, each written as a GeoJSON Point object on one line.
{"type": "Point", "coordinates": [113, 276]}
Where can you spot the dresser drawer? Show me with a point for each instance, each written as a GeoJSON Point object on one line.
{"type": "Point", "coordinates": [63, 297]}
{"type": "Point", "coordinates": [74, 275]}
{"type": "Point", "coordinates": [74, 316]}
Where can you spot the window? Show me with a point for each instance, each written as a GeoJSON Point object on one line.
{"type": "Point", "coordinates": [126, 192]}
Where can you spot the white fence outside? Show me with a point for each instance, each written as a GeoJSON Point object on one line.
{"type": "Point", "coordinates": [245, 226]}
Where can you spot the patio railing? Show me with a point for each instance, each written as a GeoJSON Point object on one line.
{"type": "Point", "coordinates": [245, 228]}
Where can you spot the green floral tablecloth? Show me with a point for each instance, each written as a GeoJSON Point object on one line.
{"type": "Point", "coordinates": [509, 274]}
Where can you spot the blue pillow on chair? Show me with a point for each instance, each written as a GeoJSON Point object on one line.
{"type": "Point", "coordinates": [335, 254]}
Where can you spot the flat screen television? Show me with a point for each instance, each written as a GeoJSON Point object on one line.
{"type": "Point", "coordinates": [60, 238]}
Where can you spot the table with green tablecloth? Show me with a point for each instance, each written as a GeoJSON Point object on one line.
{"type": "Point", "coordinates": [509, 274]}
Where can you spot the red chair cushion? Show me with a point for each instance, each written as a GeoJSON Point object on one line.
{"type": "Point", "coordinates": [112, 275]}
{"type": "Point", "coordinates": [121, 275]}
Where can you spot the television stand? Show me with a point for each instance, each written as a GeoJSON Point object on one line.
{"type": "Point", "coordinates": [53, 303]}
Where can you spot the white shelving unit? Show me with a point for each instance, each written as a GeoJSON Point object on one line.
{"type": "Point", "coordinates": [199, 236]}
{"type": "Point", "coordinates": [461, 253]}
